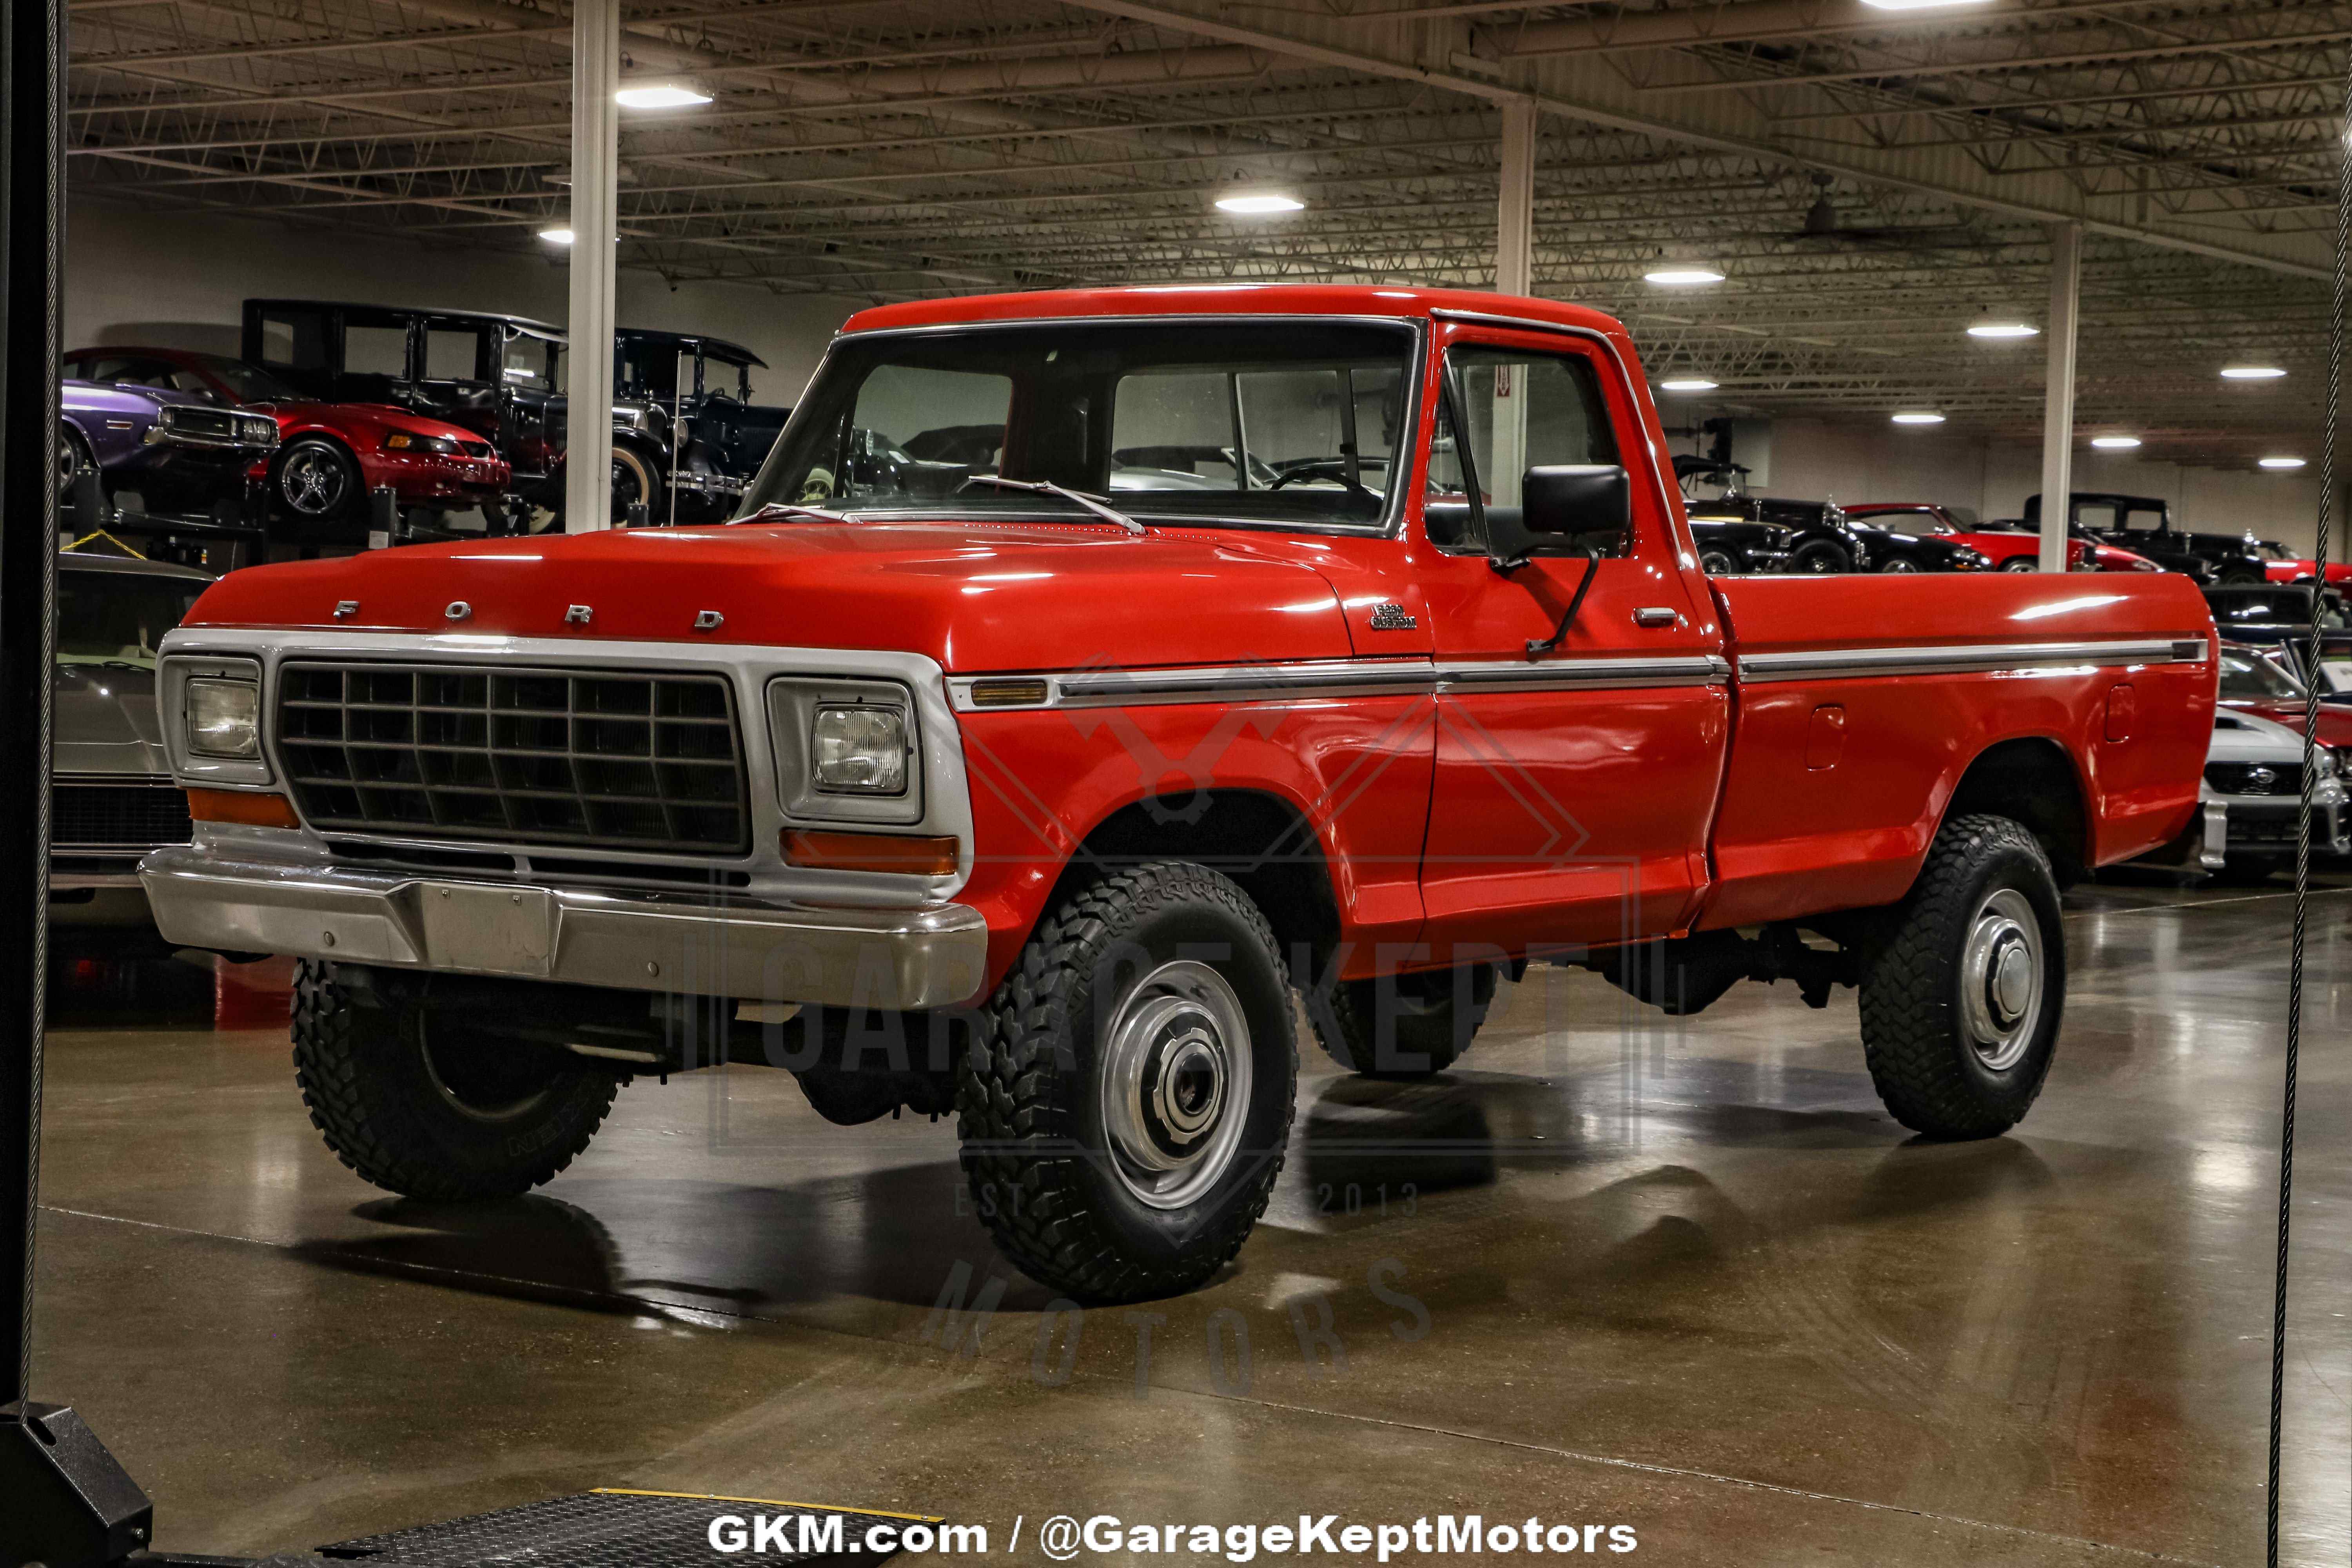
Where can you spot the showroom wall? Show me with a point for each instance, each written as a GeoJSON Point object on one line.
{"type": "Point", "coordinates": [181, 281]}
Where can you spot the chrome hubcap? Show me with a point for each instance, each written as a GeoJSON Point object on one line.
{"type": "Point", "coordinates": [1176, 1074]}
{"type": "Point", "coordinates": [2002, 979]}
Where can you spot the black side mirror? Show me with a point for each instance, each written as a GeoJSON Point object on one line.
{"type": "Point", "coordinates": [1585, 506]}
{"type": "Point", "coordinates": [1578, 498]}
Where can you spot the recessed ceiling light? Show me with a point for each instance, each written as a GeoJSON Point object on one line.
{"type": "Point", "coordinates": [2252, 372]}
{"type": "Point", "coordinates": [557, 235]}
{"type": "Point", "coordinates": [2116, 443]}
{"type": "Point", "coordinates": [2003, 329]}
{"type": "Point", "coordinates": [1683, 277]}
{"type": "Point", "coordinates": [661, 95]}
{"type": "Point", "coordinates": [1922, 418]}
{"type": "Point", "coordinates": [1687, 384]}
{"type": "Point", "coordinates": [2281, 462]}
{"type": "Point", "coordinates": [1261, 204]}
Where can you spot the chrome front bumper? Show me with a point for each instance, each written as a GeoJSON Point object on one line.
{"type": "Point", "coordinates": [889, 959]}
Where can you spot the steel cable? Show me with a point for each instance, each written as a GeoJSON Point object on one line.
{"type": "Point", "coordinates": [2303, 823]}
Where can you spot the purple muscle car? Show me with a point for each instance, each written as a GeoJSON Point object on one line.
{"type": "Point", "coordinates": [180, 452]}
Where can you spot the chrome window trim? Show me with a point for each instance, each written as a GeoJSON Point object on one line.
{"type": "Point", "coordinates": [946, 803]}
{"type": "Point", "coordinates": [1861, 663]}
{"type": "Point", "coordinates": [1391, 526]}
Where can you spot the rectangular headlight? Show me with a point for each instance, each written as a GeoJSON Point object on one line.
{"type": "Point", "coordinates": [859, 750]}
{"type": "Point", "coordinates": [224, 718]}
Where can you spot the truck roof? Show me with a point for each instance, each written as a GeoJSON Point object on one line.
{"type": "Point", "coordinates": [1228, 300]}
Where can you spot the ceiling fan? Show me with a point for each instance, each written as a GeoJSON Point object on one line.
{"type": "Point", "coordinates": [1821, 224]}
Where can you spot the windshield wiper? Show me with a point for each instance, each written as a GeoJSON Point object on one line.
{"type": "Point", "coordinates": [775, 510]}
{"type": "Point", "coordinates": [1101, 509]}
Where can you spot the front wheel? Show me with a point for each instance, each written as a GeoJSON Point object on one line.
{"type": "Point", "coordinates": [316, 481]}
{"type": "Point", "coordinates": [633, 482]}
{"type": "Point", "coordinates": [1821, 558]}
{"type": "Point", "coordinates": [1718, 562]}
{"type": "Point", "coordinates": [1962, 994]}
{"type": "Point", "coordinates": [1125, 1104]}
{"type": "Point", "coordinates": [1900, 564]}
{"type": "Point", "coordinates": [2022, 563]}
{"type": "Point", "coordinates": [431, 1106]}
{"type": "Point", "coordinates": [2242, 576]}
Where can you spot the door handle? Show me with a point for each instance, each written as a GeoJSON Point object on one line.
{"type": "Point", "coordinates": [1655, 615]}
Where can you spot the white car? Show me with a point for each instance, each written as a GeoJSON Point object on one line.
{"type": "Point", "coordinates": [2254, 768]}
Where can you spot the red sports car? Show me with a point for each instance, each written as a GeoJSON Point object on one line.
{"type": "Point", "coordinates": [2281, 564]}
{"type": "Point", "coordinates": [329, 455]}
{"type": "Point", "coordinates": [2010, 548]}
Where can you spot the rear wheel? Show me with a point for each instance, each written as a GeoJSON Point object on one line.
{"type": "Point", "coordinates": [1403, 1026]}
{"type": "Point", "coordinates": [1900, 564]}
{"type": "Point", "coordinates": [1124, 1106]}
{"type": "Point", "coordinates": [430, 1105]}
{"type": "Point", "coordinates": [1718, 562]}
{"type": "Point", "coordinates": [73, 457]}
{"type": "Point", "coordinates": [1821, 558]}
{"type": "Point", "coordinates": [1962, 992]}
{"type": "Point", "coordinates": [2242, 576]}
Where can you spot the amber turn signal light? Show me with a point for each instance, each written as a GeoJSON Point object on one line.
{"type": "Point", "coordinates": [911, 853]}
{"type": "Point", "coordinates": [247, 808]}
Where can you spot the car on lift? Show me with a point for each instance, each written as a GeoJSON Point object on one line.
{"type": "Point", "coordinates": [685, 397]}
{"type": "Point", "coordinates": [112, 797]}
{"type": "Point", "coordinates": [2279, 619]}
{"type": "Point", "coordinates": [2257, 679]}
{"type": "Point", "coordinates": [179, 452]}
{"type": "Point", "coordinates": [2281, 564]}
{"type": "Point", "coordinates": [329, 456]}
{"type": "Point", "coordinates": [2144, 524]}
{"type": "Point", "coordinates": [1893, 551]}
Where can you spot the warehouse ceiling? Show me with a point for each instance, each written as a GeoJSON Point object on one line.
{"type": "Point", "coordinates": [1870, 181]}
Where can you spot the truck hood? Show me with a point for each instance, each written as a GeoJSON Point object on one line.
{"type": "Point", "coordinates": [105, 721]}
{"type": "Point", "coordinates": [974, 596]}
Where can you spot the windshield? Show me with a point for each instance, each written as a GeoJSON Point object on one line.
{"type": "Point", "coordinates": [1296, 423]}
{"type": "Point", "coordinates": [117, 617]}
{"type": "Point", "coordinates": [2250, 678]}
{"type": "Point", "coordinates": [248, 382]}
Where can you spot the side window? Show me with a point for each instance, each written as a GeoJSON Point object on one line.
{"type": "Point", "coordinates": [2098, 516]}
{"type": "Point", "coordinates": [1521, 410]}
{"type": "Point", "coordinates": [452, 353]}
{"type": "Point", "coordinates": [2144, 520]}
{"type": "Point", "coordinates": [294, 340]}
{"type": "Point", "coordinates": [375, 351]}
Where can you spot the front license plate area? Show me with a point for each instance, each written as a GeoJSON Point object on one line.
{"type": "Point", "coordinates": [489, 930]}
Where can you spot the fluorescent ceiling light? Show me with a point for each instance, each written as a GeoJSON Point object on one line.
{"type": "Point", "coordinates": [2003, 329]}
{"type": "Point", "coordinates": [557, 235]}
{"type": "Point", "coordinates": [661, 95]}
{"type": "Point", "coordinates": [1922, 418]}
{"type": "Point", "coordinates": [1687, 384]}
{"type": "Point", "coordinates": [2116, 443]}
{"type": "Point", "coordinates": [1259, 205]}
{"type": "Point", "coordinates": [1683, 277]}
{"type": "Point", "coordinates": [1915, 5]}
{"type": "Point", "coordinates": [2252, 372]}
{"type": "Point", "coordinates": [2281, 462]}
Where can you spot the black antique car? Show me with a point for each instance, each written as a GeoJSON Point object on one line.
{"type": "Point", "coordinates": [685, 400]}
{"type": "Point", "coordinates": [1893, 551]}
{"type": "Point", "coordinates": [1767, 533]}
{"type": "Point", "coordinates": [2144, 524]}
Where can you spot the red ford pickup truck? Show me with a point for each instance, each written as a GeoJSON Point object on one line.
{"type": "Point", "coordinates": [1089, 674]}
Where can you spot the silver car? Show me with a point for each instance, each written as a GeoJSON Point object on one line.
{"type": "Point", "coordinates": [112, 797]}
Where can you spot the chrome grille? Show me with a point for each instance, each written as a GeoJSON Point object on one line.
{"type": "Point", "coordinates": [617, 759]}
{"type": "Point", "coordinates": [117, 816]}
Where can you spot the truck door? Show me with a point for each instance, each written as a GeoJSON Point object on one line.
{"type": "Point", "coordinates": [1574, 784]}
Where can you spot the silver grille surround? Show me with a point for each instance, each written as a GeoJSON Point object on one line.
{"type": "Point", "coordinates": [644, 762]}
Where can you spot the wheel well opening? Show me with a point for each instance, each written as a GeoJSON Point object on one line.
{"type": "Point", "coordinates": [2033, 781]}
{"type": "Point", "coordinates": [1259, 840]}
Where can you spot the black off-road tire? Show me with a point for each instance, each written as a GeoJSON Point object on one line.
{"type": "Point", "coordinates": [1431, 1017]}
{"type": "Point", "coordinates": [373, 1090]}
{"type": "Point", "coordinates": [1035, 1150]}
{"type": "Point", "coordinates": [1915, 1032]}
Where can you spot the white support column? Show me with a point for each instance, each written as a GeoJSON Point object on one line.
{"type": "Point", "coordinates": [2058, 397]}
{"type": "Point", "coordinates": [596, 164]}
{"type": "Point", "coordinates": [1514, 212]}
